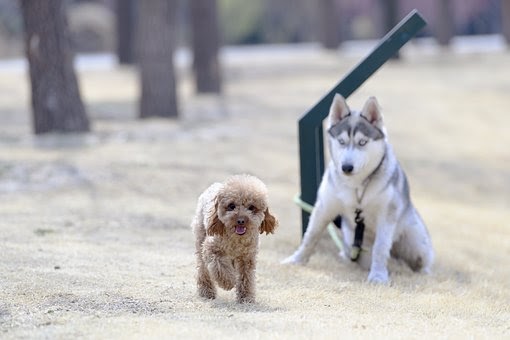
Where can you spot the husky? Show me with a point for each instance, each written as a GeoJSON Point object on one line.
{"type": "Point", "coordinates": [365, 185]}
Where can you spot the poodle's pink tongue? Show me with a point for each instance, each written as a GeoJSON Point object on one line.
{"type": "Point", "coordinates": [240, 229]}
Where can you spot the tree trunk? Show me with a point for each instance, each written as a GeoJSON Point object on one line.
{"type": "Point", "coordinates": [125, 31]}
{"type": "Point", "coordinates": [206, 44]}
{"type": "Point", "coordinates": [505, 19]}
{"type": "Point", "coordinates": [56, 101]}
{"type": "Point", "coordinates": [156, 39]}
{"type": "Point", "coordinates": [329, 24]}
{"type": "Point", "coordinates": [445, 23]}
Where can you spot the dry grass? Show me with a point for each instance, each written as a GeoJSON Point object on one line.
{"type": "Point", "coordinates": [95, 237]}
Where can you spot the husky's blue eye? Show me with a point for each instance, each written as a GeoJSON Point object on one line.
{"type": "Point", "coordinates": [362, 142]}
{"type": "Point", "coordinates": [341, 141]}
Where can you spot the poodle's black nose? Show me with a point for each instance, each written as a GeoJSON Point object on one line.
{"type": "Point", "coordinates": [240, 221]}
{"type": "Point", "coordinates": [347, 168]}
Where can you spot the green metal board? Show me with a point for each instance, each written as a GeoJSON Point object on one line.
{"type": "Point", "coordinates": [311, 143]}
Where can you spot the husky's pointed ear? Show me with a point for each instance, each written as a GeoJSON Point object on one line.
{"type": "Point", "coordinates": [372, 112]}
{"type": "Point", "coordinates": [338, 110]}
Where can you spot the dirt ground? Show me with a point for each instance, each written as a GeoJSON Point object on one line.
{"type": "Point", "coordinates": [94, 230]}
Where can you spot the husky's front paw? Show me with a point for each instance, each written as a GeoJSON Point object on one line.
{"type": "Point", "coordinates": [294, 259]}
{"type": "Point", "coordinates": [378, 277]}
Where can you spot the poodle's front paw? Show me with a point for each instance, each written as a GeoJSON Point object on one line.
{"type": "Point", "coordinates": [207, 292]}
{"type": "Point", "coordinates": [294, 259]}
{"type": "Point", "coordinates": [245, 298]}
{"type": "Point", "coordinates": [226, 282]}
{"type": "Point", "coordinates": [378, 277]}
{"type": "Point", "coordinates": [222, 274]}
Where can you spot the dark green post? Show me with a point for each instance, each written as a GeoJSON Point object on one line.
{"type": "Point", "coordinates": [311, 144]}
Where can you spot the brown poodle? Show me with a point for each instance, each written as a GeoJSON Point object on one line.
{"type": "Point", "coordinates": [229, 218]}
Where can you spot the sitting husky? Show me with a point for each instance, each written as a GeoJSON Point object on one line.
{"type": "Point", "coordinates": [366, 186]}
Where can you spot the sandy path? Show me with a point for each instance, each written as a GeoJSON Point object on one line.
{"type": "Point", "coordinates": [94, 230]}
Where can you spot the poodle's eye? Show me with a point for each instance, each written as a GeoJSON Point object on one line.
{"type": "Point", "coordinates": [231, 207]}
{"type": "Point", "coordinates": [252, 208]}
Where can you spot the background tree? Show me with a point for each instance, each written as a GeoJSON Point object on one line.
{"type": "Point", "coordinates": [156, 40]}
{"type": "Point", "coordinates": [329, 28]}
{"type": "Point", "coordinates": [206, 44]}
{"type": "Point", "coordinates": [56, 101]}
{"type": "Point", "coordinates": [505, 19]}
{"type": "Point", "coordinates": [445, 23]}
{"type": "Point", "coordinates": [125, 15]}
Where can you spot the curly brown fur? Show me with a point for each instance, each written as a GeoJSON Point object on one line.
{"type": "Point", "coordinates": [228, 220]}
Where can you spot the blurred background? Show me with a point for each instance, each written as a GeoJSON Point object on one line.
{"type": "Point", "coordinates": [130, 32]}
{"type": "Point", "coordinates": [92, 22]}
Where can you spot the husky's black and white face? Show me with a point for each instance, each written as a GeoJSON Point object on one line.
{"type": "Point", "coordinates": [356, 139]}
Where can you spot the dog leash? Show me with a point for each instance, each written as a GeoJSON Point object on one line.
{"type": "Point", "coordinates": [331, 227]}
{"type": "Point", "coordinates": [337, 223]}
{"type": "Point", "coordinates": [359, 230]}
{"type": "Point", "coordinates": [359, 220]}
{"type": "Point", "coordinates": [358, 235]}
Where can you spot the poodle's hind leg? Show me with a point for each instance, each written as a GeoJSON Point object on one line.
{"type": "Point", "coordinates": [206, 288]}
{"type": "Point", "coordinates": [205, 285]}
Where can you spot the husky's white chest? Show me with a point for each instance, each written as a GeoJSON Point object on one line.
{"type": "Point", "coordinates": [349, 195]}
{"type": "Point", "coordinates": [348, 198]}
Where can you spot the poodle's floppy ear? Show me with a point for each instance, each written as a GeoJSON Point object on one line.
{"type": "Point", "coordinates": [215, 226]}
{"type": "Point", "coordinates": [269, 224]}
